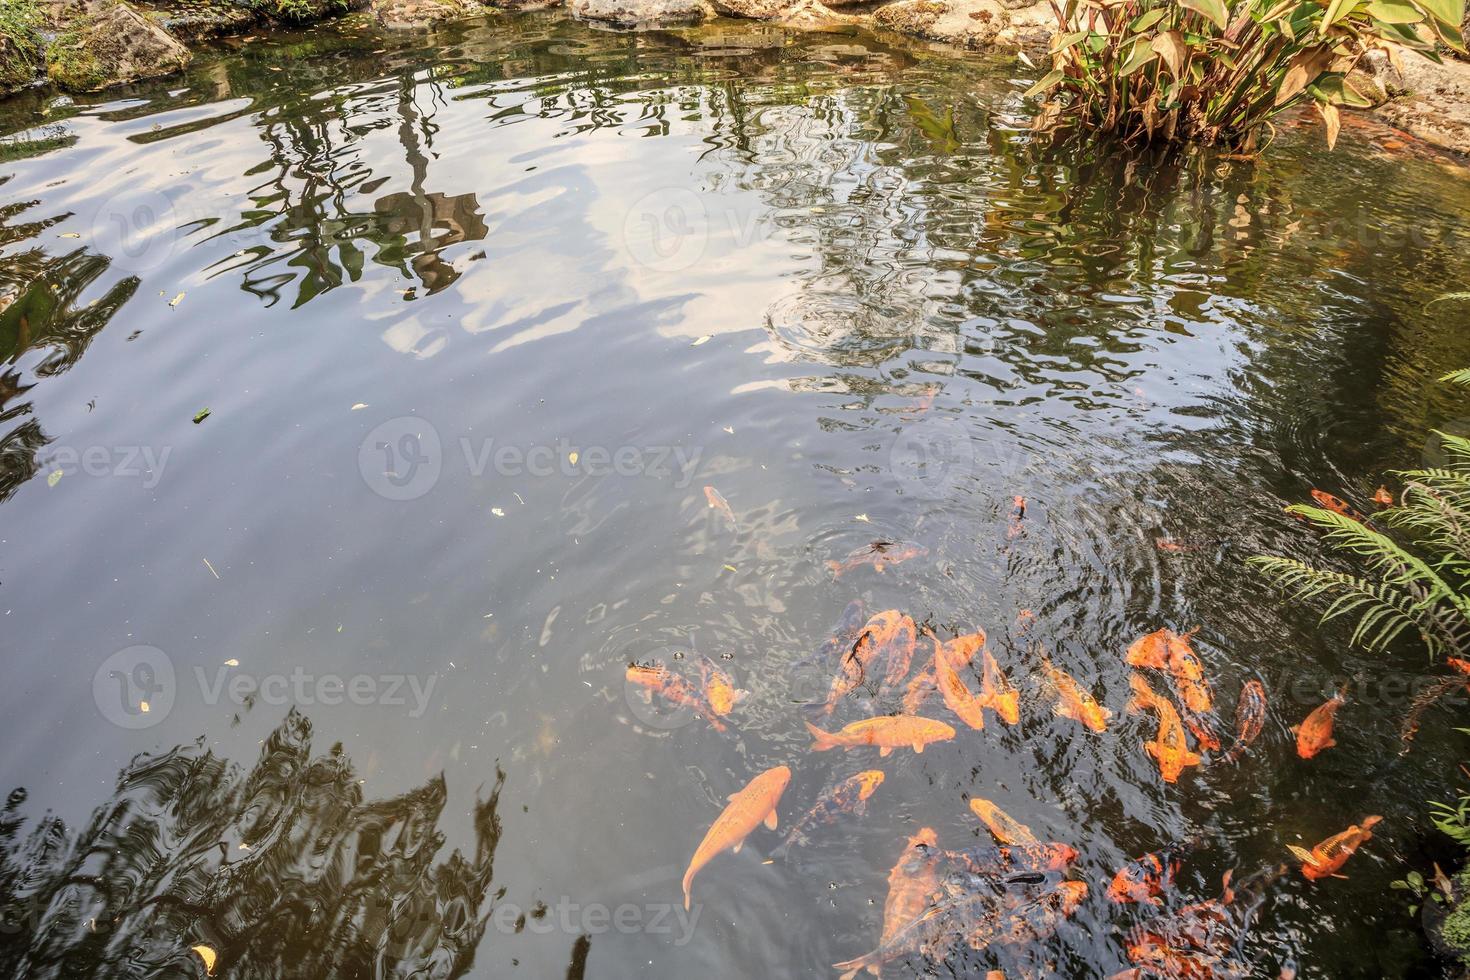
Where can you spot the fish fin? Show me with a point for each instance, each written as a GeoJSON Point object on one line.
{"type": "Point", "coordinates": [918, 748]}
{"type": "Point", "coordinates": [738, 845]}
{"type": "Point", "coordinates": [1151, 749]}
{"type": "Point", "coordinates": [1192, 758]}
{"type": "Point", "coordinates": [1329, 743]}
{"type": "Point", "coordinates": [688, 880]}
{"type": "Point", "coordinates": [884, 752]}
{"type": "Point", "coordinates": [1343, 877]}
{"type": "Point", "coordinates": [771, 819]}
{"type": "Point", "coordinates": [1295, 729]}
{"type": "Point", "coordinates": [1301, 854]}
{"type": "Point", "coordinates": [821, 741]}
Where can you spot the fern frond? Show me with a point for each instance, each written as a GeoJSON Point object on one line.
{"type": "Point", "coordinates": [1461, 377]}
{"type": "Point", "coordinates": [1384, 611]}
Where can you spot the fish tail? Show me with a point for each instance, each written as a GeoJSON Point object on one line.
{"type": "Point", "coordinates": [854, 967]}
{"type": "Point", "coordinates": [821, 741]}
{"type": "Point", "coordinates": [688, 880]}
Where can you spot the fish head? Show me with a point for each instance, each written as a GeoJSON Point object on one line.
{"type": "Point", "coordinates": [926, 837]}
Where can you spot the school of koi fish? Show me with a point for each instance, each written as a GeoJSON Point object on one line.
{"type": "Point", "coordinates": [1017, 890]}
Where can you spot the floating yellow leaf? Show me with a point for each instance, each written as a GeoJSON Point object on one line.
{"type": "Point", "coordinates": [53, 478]}
{"type": "Point", "coordinates": [573, 457]}
{"type": "Point", "coordinates": [702, 340]}
{"type": "Point", "coordinates": [143, 707]}
{"type": "Point", "coordinates": [176, 300]}
{"type": "Point", "coordinates": [209, 956]}
{"type": "Point", "coordinates": [232, 662]}
{"type": "Point", "coordinates": [70, 234]}
{"type": "Point", "coordinates": [359, 405]}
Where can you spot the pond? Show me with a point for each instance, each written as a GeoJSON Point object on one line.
{"type": "Point", "coordinates": [358, 397]}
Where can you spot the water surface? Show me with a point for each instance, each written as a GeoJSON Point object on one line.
{"type": "Point", "coordinates": [477, 315]}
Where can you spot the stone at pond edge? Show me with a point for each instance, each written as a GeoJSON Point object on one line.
{"type": "Point", "coordinates": [107, 42]}
{"type": "Point", "coordinates": [195, 21]}
{"type": "Point", "coordinates": [410, 14]}
{"type": "Point", "coordinates": [642, 13]}
{"type": "Point", "coordinates": [971, 23]}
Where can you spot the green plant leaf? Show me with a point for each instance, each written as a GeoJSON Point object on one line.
{"type": "Point", "coordinates": [1393, 12]}
{"type": "Point", "coordinates": [1147, 19]}
{"type": "Point", "coordinates": [1140, 55]}
{"type": "Point", "coordinates": [1213, 10]}
{"type": "Point", "coordinates": [1045, 83]}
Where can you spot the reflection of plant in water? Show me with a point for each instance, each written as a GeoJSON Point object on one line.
{"type": "Point", "coordinates": [284, 870]}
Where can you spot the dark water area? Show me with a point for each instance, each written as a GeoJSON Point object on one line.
{"type": "Point", "coordinates": [477, 315]}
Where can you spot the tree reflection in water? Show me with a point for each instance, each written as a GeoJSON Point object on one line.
{"type": "Point", "coordinates": [283, 870]}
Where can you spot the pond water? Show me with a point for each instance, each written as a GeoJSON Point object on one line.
{"type": "Point", "coordinates": [477, 315]}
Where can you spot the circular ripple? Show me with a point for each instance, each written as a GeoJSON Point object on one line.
{"type": "Point", "coordinates": [839, 328]}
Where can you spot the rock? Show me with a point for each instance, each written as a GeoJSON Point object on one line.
{"type": "Point", "coordinates": [107, 42]}
{"type": "Point", "coordinates": [1430, 101]}
{"type": "Point", "coordinates": [21, 57]}
{"type": "Point", "coordinates": [194, 21]}
{"type": "Point", "coordinates": [972, 23]}
{"type": "Point", "coordinates": [753, 9]}
{"type": "Point", "coordinates": [642, 13]}
{"type": "Point", "coordinates": [418, 14]}
{"type": "Point", "coordinates": [814, 15]}
{"type": "Point", "coordinates": [523, 5]}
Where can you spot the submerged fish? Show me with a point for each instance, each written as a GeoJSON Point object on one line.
{"type": "Point", "coordinates": [1170, 746]}
{"type": "Point", "coordinates": [1250, 718]}
{"type": "Point", "coordinates": [883, 650]}
{"type": "Point", "coordinates": [937, 921]}
{"type": "Point", "coordinates": [1315, 733]}
{"type": "Point", "coordinates": [1337, 505]}
{"type": "Point", "coordinates": [996, 693]}
{"type": "Point", "coordinates": [920, 686]}
{"type": "Point", "coordinates": [844, 634]}
{"type": "Point", "coordinates": [1330, 855]}
{"type": "Point", "coordinates": [748, 809]}
{"type": "Point", "coordinates": [879, 554]}
{"type": "Point", "coordinates": [957, 695]}
{"type": "Point", "coordinates": [913, 882]}
{"type": "Point", "coordinates": [655, 679]}
{"type": "Point", "coordinates": [1172, 652]}
{"type": "Point", "coordinates": [888, 732]}
{"type": "Point", "coordinates": [1030, 921]}
{"type": "Point", "coordinates": [1006, 828]}
{"type": "Point", "coordinates": [849, 796]}
{"type": "Point", "coordinates": [1144, 879]}
{"type": "Point", "coordinates": [1073, 700]}
{"type": "Point", "coordinates": [718, 688]}
{"type": "Point", "coordinates": [1051, 857]}
{"type": "Point", "coordinates": [716, 500]}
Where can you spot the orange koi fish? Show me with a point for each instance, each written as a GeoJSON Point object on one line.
{"type": "Point", "coordinates": [1166, 650]}
{"type": "Point", "coordinates": [957, 695]}
{"type": "Point", "coordinates": [935, 924]}
{"type": "Point", "coordinates": [747, 810]}
{"type": "Point", "coordinates": [844, 635]}
{"type": "Point", "coordinates": [1315, 734]}
{"type": "Point", "coordinates": [1073, 700]}
{"type": "Point", "coordinates": [888, 732]}
{"type": "Point", "coordinates": [962, 649]}
{"type": "Point", "coordinates": [1175, 546]}
{"type": "Point", "coordinates": [1323, 860]}
{"type": "Point", "coordinates": [719, 690]}
{"type": "Point", "coordinates": [1337, 505]}
{"type": "Point", "coordinates": [1144, 879]}
{"type": "Point", "coordinates": [1006, 828]}
{"type": "Point", "coordinates": [655, 679]}
{"type": "Point", "coordinates": [912, 883]}
{"type": "Point", "coordinates": [879, 554]}
{"type": "Point", "coordinates": [996, 693]}
{"type": "Point", "coordinates": [849, 796]}
{"type": "Point", "coordinates": [717, 501]}
{"type": "Point", "coordinates": [1018, 514]}
{"type": "Point", "coordinates": [886, 642]}
{"type": "Point", "coordinates": [920, 687]}
{"type": "Point", "coordinates": [1170, 746]}
{"type": "Point", "coordinates": [1250, 718]}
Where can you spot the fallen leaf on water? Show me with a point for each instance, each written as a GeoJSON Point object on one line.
{"type": "Point", "coordinates": [702, 340]}
{"type": "Point", "coordinates": [210, 567]}
{"type": "Point", "coordinates": [70, 234]}
{"type": "Point", "coordinates": [53, 478]}
{"type": "Point", "coordinates": [209, 956]}
{"type": "Point", "coordinates": [729, 430]}
{"type": "Point", "coordinates": [232, 662]}
{"type": "Point", "coordinates": [359, 406]}
{"type": "Point", "coordinates": [1021, 54]}
{"type": "Point", "coordinates": [863, 518]}
{"type": "Point", "coordinates": [201, 415]}
{"type": "Point", "coordinates": [143, 707]}
{"type": "Point", "coordinates": [573, 457]}
{"type": "Point", "coordinates": [497, 511]}
{"type": "Point", "coordinates": [732, 568]}
{"type": "Point", "coordinates": [176, 300]}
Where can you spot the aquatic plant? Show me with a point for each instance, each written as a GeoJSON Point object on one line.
{"type": "Point", "coordinates": [21, 55]}
{"type": "Point", "coordinates": [1417, 584]}
{"type": "Point", "coordinates": [1215, 71]}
